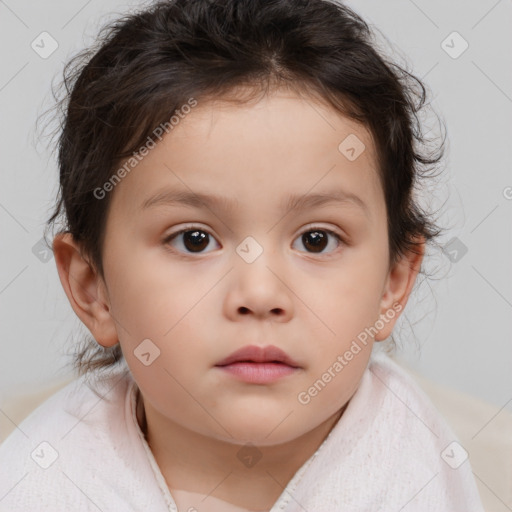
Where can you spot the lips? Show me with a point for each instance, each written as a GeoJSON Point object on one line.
{"type": "Point", "coordinates": [256, 354]}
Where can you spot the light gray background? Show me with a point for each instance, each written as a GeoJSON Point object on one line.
{"type": "Point", "coordinates": [462, 333]}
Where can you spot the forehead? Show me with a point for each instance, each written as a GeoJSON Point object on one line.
{"type": "Point", "coordinates": [280, 145]}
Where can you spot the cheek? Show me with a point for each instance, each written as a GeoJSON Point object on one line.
{"type": "Point", "coordinates": [157, 303]}
{"type": "Point", "coordinates": [334, 375]}
{"type": "Point", "coordinates": [344, 302]}
{"type": "Point", "coordinates": [149, 295]}
{"type": "Point", "coordinates": [346, 308]}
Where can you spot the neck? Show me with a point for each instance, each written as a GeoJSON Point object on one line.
{"type": "Point", "coordinates": [198, 468]}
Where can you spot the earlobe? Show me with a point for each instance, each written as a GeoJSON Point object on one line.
{"type": "Point", "coordinates": [399, 284]}
{"type": "Point", "coordinates": [85, 289]}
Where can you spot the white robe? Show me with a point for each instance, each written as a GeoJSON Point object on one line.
{"type": "Point", "coordinates": [390, 451]}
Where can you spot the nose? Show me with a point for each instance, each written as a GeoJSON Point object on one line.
{"type": "Point", "coordinates": [260, 290]}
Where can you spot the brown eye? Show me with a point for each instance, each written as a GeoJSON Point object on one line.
{"type": "Point", "coordinates": [317, 240]}
{"type": "Point", "coordinates": [195, 241]}
{"type": "Point", "coordinates": [190, 240]}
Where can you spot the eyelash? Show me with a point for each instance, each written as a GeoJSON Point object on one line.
{"type": "Point", "coordinates": [172, 236]}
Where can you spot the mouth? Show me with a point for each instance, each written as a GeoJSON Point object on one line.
{"type": "Point", "coordinates": [255, 354]}
{"type": "Point", "coordinates": [258, 365]}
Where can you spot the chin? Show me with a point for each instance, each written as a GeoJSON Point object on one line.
{"type": "Point", "coordinates": [260, 433]}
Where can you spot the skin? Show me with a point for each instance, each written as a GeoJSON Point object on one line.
{"type": "Point", "coordinates": [198, 308]}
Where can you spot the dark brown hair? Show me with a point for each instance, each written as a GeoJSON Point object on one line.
{"type": "Point", "coordinates": [146, 65]}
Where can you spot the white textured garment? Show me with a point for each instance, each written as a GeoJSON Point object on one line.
{"type": "Point", "coordinates": [390, 451]}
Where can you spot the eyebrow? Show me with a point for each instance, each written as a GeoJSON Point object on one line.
{"type": "Point", "coordinates": [215, 202]}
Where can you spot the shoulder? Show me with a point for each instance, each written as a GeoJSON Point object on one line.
{"type": "Point", "coordinates": [65, 454]}
{"type": "Point", "coordinates": [392, 450]}
{"type": "Point", "coordinates": [406, 417]}
{"type": "Point", "coordinates": [83, 402]}
{"type": "Point", "coordinates": [421, 449]}
{"type": "Point", "coordinates": [404, 399]}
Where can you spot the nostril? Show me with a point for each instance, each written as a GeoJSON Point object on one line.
{"type": "Point", "coordinates": [243, 310]}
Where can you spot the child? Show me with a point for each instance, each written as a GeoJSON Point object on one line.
{"type": "Point", "coordinates": [240, 229]}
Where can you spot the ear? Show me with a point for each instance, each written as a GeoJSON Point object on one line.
{"type": "Point", "coordinates": [85, 289]}
{"type": "Point", "coordinates": [399, 284]}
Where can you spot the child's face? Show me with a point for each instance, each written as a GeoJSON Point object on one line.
{"type": "Point", "coordinates": [199, 307]}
